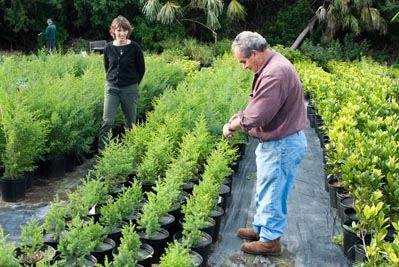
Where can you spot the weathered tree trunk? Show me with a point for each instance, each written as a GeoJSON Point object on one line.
{"type": "Point", "coordinates": [303, 34]}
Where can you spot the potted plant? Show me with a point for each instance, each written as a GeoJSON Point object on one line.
{"type": "Point", "coordinates": [178, 255]}
{"type": "Point", "coordinates": [128, 201]}
{"type": "Point", "coordinates": [127, 253]}
{"type": "Point", "coordinates": [158, 156]}
{"type": "Point", "coordinates": [24, 138]}
{"type": "Point", "coordinates": [115, 163]}
{"type": "Point", "coordinates": [55, 221]}
{"type": "Point", "coordinates": [78, 242]}
{"type": "Point", "coordinates": [92, 194]}
{"type": "Point", "coordinates": [32, 249]}
{"type": "Point", "coordinates": [111, 219]}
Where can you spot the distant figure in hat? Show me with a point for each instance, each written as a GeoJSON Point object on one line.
{"type": "Point", "coordinates": [50, 33]}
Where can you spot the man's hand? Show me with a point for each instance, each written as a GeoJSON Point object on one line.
{"type": "Point", "coordinates": [226, 132]}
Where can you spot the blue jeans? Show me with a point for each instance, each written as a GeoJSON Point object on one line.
{"type": "Point", "coordinates": [277, 163]}
{"type": "Point", "coordinates": [114, 96]}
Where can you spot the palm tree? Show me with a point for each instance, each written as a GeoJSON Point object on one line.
{"type": "Point", "coordinates": [168, 12]}
{"type": "Point", "coordinates": [356, 16]}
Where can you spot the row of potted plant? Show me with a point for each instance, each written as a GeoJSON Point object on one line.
{"type": "Point", "coordinates": [358, 106]}
{"type": "Point", "coordinates": [179, 116]}
{"type": "Point", "coordinates": [50, 110]}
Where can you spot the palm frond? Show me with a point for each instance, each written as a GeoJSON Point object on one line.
{"type": "Point", "coordinates": [350, 22]}
{"type": "Point", "coordinates": [214, 6]}
{"type": "Point", "coordinates": [151, 9]}
{"type": "Point", "coordinates": [212, 21]}
{"type": "Point", "coordinates": [370, 17]}
{"type": "Point", "coordinates": [235, 10]}
{"type": "Point", "coordinates": [168, 12]}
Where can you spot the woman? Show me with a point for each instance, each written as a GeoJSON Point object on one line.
{"type": "Point", "coordinates": [124, 67]}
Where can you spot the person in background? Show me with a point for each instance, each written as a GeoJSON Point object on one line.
{"type": "Point", "coordinates": [124, 67]}
{"type": "Point", "coordinates": [50, 34]}
{"type": "Point", "coordinates": [275, 117]}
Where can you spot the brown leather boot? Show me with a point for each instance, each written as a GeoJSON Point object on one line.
{"type": "Point", "coordinates": [271, 248]}
{"type": "Point", "coordinates": [247, 233]}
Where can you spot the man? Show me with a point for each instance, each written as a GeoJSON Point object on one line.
{"type": "Point", "coordinates": [50, 34]}
{"type": "Point", "coordinates": [275, 116]}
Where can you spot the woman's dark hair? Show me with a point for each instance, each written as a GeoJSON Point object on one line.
{"type": "Point", "coordinates": [120, 22]}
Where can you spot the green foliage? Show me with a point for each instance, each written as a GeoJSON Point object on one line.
{"type": "Point", "coordinates": [354, 50]}
{"type": "Point", "coordinates": [322, 52]}
{"type": "Point", "coordinates": [158, 156]}
{"type": "Point", "coordinates": [177, 255]}
{"type": "Point", "coordinates": [92, 191]}
{"type": "Point", "coordinates": [222, 47]}
{"type": "Point", "coordinates": [31, 237]}
{"type": "Point", "coordinates": [325, 51]}
{"type": "Point", "coordinates": [203, 199]}
{"type": "Point", "coordinates": [196, 214]}
{"type": "Point", "coordinates": [292, 55]}
{"type": "Point", "coordinates": [81, 238]}
{"type": "Point", "coordinates": [136, 140]}
{"type": "Point", "coordinates": [128, 248]}
{"type": "Point", "coordinates": [159, 77]}
{"type": "Point", "coordinates": [110, 216]}
{"type": "Point", "coordinates": [129, 200]}
{"type": "Point", "coordinates": [152, 212]}
{"type": "Point", "coordinates": [7, 254]}
{"type": "Point", "coordinates": [55, 219]}
{"type": "Point", "coordinates": [284, 28]}
{"type": "Point", "coordinates": [152, 34]}
{"type": "Point", "coordinates": [115, 162]}
{"type": "Point", "coordinates": [23, 135]}
{"type": "Point", "coordinates": [338, 239]}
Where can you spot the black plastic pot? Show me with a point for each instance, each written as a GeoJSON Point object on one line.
{"type": "Point", "coordinates": [116, 234]}
{"type": "Point", "coordinates": [340, 196]}
{"type": "Point", "coordinates": [217, 215]}
{"type": "Point", "coordinates": [344, 204]}
{"type": "Point", "coordinates": [224, 192]}
{"type": "Point", "coordinates": [349, 214]}
{"type": "Point", "coordinates": [167, 222]}
{"type": "Point", "coordinates": [29, 180]}
{"type": "Point", "coordinates": [334, 186]}
{"type": "Point", "coordinates": [198, 258]}
{"type": "Point", "coordinates": [143, 257]}
{"type": "Point", "coordinates": [54, 167]}
{"type": "Point", "coordinates": [90, 261]}
{"type": "Point", "coordinates": [13, 190]}
{"type": "Point", "coordinates": [104, 249]}
{"type": "Point", "coordinates": [70, 162]}
{"type": "Point", "coordinates": [49, 240]}
{"type": "Point", "coordinates": [202, 247]}
{"type": "Point", "coordinates": [360, 254]}
{"type": "Point", "coordinates": [351, 240]}
{"type": "Point", "coordinates": [390, 237]}
{"type": "Point", "coordinates": [157, 241]}
{"type": "Point", "coordinates": [209, 229]}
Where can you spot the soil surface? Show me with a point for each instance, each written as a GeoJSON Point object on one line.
{"type": "Point", "coordinates": [312, 223]}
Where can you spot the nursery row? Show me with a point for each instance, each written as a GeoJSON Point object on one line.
{"type": "Point", "coordinates": [51, 107]}
{"type": "Point", "coordinates": [177, 147]}
{"type": "Point", "coordinates": [354, 109]}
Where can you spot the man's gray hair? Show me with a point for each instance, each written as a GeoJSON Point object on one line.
{"type": "Point", "coordinates": [247, 41]}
